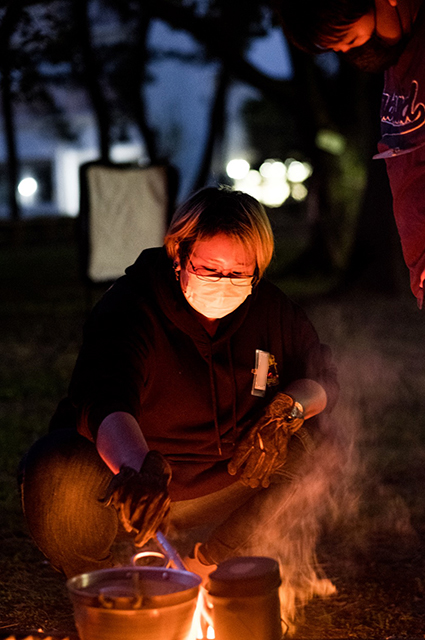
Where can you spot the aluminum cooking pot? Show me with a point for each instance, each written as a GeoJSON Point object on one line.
{"type": "Point", "coordinates": [134, 603]}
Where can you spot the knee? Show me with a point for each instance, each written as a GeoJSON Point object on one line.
{"type": "Point", "coordinates": [63, 478]}
{"type": "Point", "coordinates": [61, 454]}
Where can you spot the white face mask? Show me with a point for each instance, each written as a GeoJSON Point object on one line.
{"type": "Point", "coordinates": [216, 299]}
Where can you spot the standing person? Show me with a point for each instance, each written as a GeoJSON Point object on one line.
{"type": "Point", "coordinates": [381, 36]}
{"type": "Point", "coordinates": [196, 395]}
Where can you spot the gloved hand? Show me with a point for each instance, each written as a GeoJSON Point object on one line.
{"type": "Point", "coordinates": [141, 498]}
{"type": "Point", "coordinates": [264, 448]}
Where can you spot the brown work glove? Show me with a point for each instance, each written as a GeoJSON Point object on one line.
{"type": "Point", "coordinates": [263, 449]}
{"type": "Point", "coordinates": [141, 498]}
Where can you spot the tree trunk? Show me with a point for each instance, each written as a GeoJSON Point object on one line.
{"type": "Point", "coordinates": [216, 127]}
{"type": "Point", "coordinates": [91, 75]}
{"type": "Point", "coordinates": [9, 21]}
{"type": "Point", "coordinates": [311, 114]}
{"type": "Point", "coordinates": [141, 59]}
{"type": "Point", "coordinates": [376, 259]}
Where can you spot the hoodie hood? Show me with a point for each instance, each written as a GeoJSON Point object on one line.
{"type": "Point", "coordinates": [153, 274]}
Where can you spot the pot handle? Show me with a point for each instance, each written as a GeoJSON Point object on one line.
{"type": "Point", "coordinates": [167, 552]}
{"type": "Point", "coordinates": [150, 554]}
{"type": "Point", "coordinates": [112, 599]}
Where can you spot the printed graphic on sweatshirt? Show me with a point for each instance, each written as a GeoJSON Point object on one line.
{"type": "Point", "coordinates": [402, 116]}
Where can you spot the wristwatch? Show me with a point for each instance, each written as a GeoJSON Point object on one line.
{"type": "Point", "coordinates": [297, 411]}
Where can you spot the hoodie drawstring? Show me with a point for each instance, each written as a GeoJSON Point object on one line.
{"type": "Point", "coordinates": [214, 398]}
{"type": "Point", "coordinates": [234, 396]}
{"type": "Point", "coordinates": [214, 395]}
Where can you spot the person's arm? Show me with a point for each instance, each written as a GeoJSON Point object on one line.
{"type": "Point", "coordinates": [139, 487]}
{"type": "Point", "coordinates": [310, 394]}
{"type": "Point", "coordinates": [120, 442]}
{"type": "Point", "coordinates": [263, 449]}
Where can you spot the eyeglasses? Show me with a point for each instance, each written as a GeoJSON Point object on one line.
{"type": "Point", "coordinates": [209, 275]}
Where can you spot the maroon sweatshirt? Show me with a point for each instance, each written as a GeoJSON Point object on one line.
{"type": "Point", "coordinates": [144, 352]}
{"type": "Point", "coordinates": [403, 147]}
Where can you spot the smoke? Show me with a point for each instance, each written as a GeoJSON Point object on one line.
{"type": "Point", "coordinates": [290, 530]}
{"type": "Point", "coordinates": [341, 501]}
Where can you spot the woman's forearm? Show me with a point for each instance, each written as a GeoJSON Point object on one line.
{"type": "Point", "coordinates": [310, 394]}
{"type": "Point", "coordinates": [120, 441]}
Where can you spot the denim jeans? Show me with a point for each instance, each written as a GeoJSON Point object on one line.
{"type": "Point", "coordinates": [63, 478]}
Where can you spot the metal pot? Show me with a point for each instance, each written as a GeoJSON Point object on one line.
{"type": "Point", "coordinates": [134, 603]}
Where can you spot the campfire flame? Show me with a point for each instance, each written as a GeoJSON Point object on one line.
{"type": "Point", "coordinates": [202, 624]}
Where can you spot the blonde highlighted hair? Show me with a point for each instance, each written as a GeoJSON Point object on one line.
{"type": "Point", "coordinates": [215, 210]}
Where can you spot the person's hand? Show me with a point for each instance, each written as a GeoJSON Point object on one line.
{"type": "Point", "coordinates": [141, 497]}
{"type": "Point", "coordinates": [263, 449]}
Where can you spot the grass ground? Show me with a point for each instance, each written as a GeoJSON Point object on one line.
{"type": "Point", "coordinates": [372, 546]}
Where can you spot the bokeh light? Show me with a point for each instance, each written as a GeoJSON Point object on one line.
{"type": "Point", "coordinates": [273, 169]}
{"type": "Point", "coordinates": [27, 187]}
{"type": "Point", "coordinates": [298, 171]}
{"type": "Point", "coordinates": [237, 168]}
{"type": "Point", "coordinates": [274, 182]}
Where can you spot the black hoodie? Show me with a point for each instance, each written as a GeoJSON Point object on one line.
{"type": "Point", "coordinates": [146, 353]}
